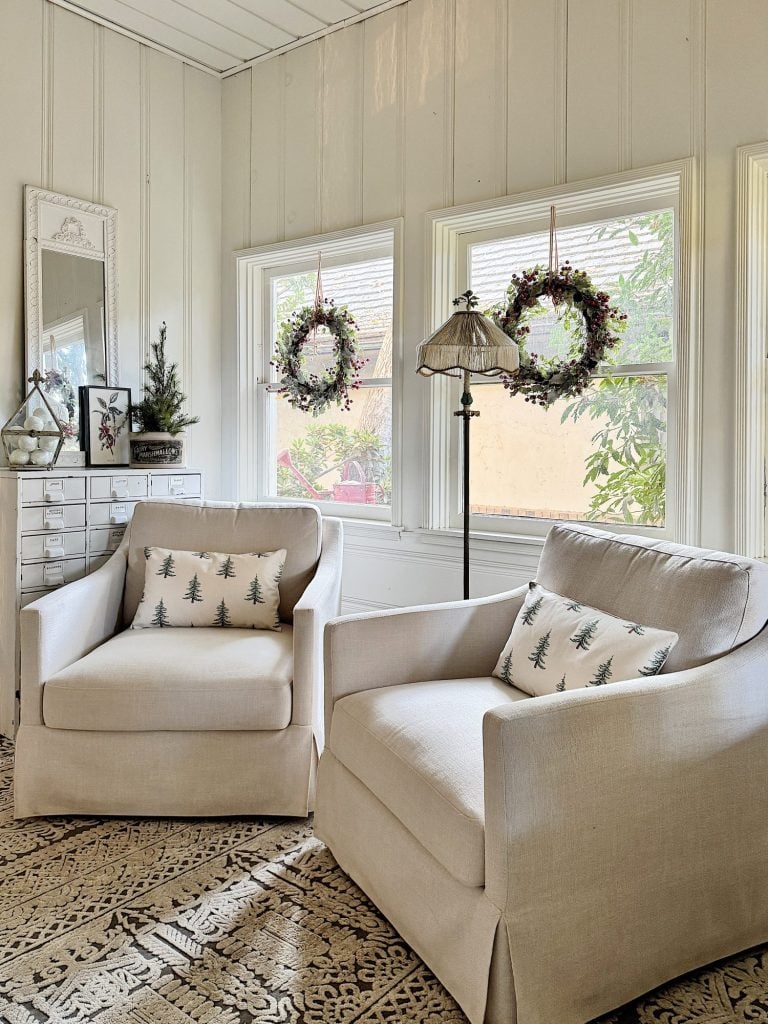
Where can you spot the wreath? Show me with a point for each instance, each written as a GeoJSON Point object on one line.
{"type": "Point", "coordinates": [312, 392]}
{"type": "Point", "coordinates": [543, 380]}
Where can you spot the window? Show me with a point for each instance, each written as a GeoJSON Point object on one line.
{"type": "Point", "coordinates": [616, 455]}
{"type": "Point", "coordinates": [341, 459]}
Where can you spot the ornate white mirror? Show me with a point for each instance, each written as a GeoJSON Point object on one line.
{"type": "Point", "coordinates": [70, 298]}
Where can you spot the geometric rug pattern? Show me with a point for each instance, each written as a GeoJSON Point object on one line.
{"type": "Point", "coordinates": [157, 921]}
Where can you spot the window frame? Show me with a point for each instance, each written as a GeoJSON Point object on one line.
{"type": "Point", "coordinates": [256, 268]}
{"type": "Point", "coordinates": [450, 235]}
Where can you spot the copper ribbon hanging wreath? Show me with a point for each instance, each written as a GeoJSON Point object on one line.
{"type": "Point", "coordinates": [313, 392]}
{"type": "Point", "coordinates": [541, 380]}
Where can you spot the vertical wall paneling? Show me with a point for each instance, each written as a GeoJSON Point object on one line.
{"type": "Point", "coordinates": [302, 160]}
{"type": "Point", "coordinates": [73, 99]}
{"type": "Point", "coordinates": [594, 88]}
{"type": "Point", "coordinates": [236, 149]}
{"type": "Point", "coordinates": [268, 128]}
{"type": "Point", "coordinates": [46, 147]}
{"type": "Point", "coordinates": [342, 130]}
{"type": "Point", "coordinates": [536, 83]}
{"type": "Point", "coordinates": [626, 26]}
{"type": "Point", "coordinates": [166, 206]}
{"type": "Point", "coordinates": [122, 189]}
{"type": "Point", "coordinates": [383, 113]}
{"type": "Point", "coordinates": [22, 75]}
{"type": "Point", "coordinates": [660, 69]}
{"type": "Point", "coordinates": [145, 232]}
{"type": "Point", "coordinates": [480, 100]}
{"type": "Point", "coordinates": [97, 187]}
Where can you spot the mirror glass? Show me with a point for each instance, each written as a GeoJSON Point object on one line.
{"type": "Point", "coordinates": [73, 333]}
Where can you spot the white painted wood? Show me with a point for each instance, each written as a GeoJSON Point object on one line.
{"type": "Point", "coordinates": [288, 16]}
{"type": "Point", "coordinates": [383, 115]}
{"type": "Point", "coordinates": [342, 130]}
{"type": "Point", "coordinates": [232, 20]}
{"type": "Point", "coordinates": [593, 89]}
{"type": "Point", "coordinates": [751, 326]}
{"type": "Point", "coordinates": [73, 101]}
{"type": "Point", "coordinates": [207, 26]}
{"type": "Point", "coordinates": [46, 543]}
{"type": "Point", "coordinates": [268, 122]}
{"type": "Point", "coordinates": [303, 124]}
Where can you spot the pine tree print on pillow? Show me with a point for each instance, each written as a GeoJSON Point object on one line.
{"type": "Point", "coordinates": [555, 638]}
{"type": "Point", "coordinates": [211, 589]}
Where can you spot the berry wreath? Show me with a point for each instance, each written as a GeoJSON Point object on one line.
{"type": "Point", "coordinates": [543, 381]}
{"type": "Point", "coordinates": [312, 392]}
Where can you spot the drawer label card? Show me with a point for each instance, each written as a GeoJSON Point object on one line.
{"type": "Point", "coordinates": [54, 490]}
{"type": "Point", "coordinates": [119, 486]}
{"type": "Point", "coordinates": [53, 573]}
{"type": "Point", "coordinates": [118, 513]}
{"type": "Point", "coordinates": [53, 517]}
{"type": "Point", "coordinates": [54, 546]}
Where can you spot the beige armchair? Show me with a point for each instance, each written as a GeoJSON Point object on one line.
{"type": "Point", "coordinates": [178, 721]}
{"type": "Point", "coordinates": [551, 858]}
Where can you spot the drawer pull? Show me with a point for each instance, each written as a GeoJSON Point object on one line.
{"type": "Point", "coordinates": [177, 492]}
{"type": "Point", "coordinates": [53, 575]}
{"type": "Point", "coordinates": [53, 552]}
{"type": "Point", "coordinates": [118, 519]}
{"type": "Point", "coordinates": [54, 490]}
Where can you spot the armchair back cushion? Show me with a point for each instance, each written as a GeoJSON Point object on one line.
{"type": "Point", "coordinates": [236, 529]}
{"type": "Point", "coordinates": [712, 600]}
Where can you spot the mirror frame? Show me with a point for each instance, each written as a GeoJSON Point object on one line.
{"type": "Point", "coordinates": [51, 222]}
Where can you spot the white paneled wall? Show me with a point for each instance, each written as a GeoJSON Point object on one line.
{"type": "Point", "coordinates": [93, 114]}
{"type": "Point", "coordinates": [441, 102]}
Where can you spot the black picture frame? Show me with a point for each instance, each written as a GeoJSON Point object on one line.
{"type": "Point", "coordinates": [111, 403]}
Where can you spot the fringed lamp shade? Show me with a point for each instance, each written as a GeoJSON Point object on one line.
{"type": "Point", "coordinates": [468, 341]}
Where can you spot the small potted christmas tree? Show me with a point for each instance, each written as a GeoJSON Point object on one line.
{"type": "Point", "coordinates": [159, 416]}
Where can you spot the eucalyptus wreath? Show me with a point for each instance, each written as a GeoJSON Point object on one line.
{"type": "Point", "coordinates": [590, 317]}
{"type": "Point", "coordinates": [311, 392]}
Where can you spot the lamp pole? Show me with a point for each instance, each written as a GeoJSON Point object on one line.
{"type": "Point", "coordinates": [466, 413]}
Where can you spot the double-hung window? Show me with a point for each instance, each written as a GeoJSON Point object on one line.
{"type": "Point", "coordinates": [341, 459]}
{"type": "Point", "coordinates": [616, 455]}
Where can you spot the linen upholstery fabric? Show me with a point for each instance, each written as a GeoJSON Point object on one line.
{"type": "Point", "coordinates": [210, 588]}
{"type": "Point", "coordinates": [418, 747]}
{"type": "Point", "coordinates": [714, 601]}
{"type": "Point", "coordinates": [171, 772]}
{"type": "Point", "coordinates": [235, 528]}
{"type": "Point", "coordinates": [609, 812]}
{"type": "Point", "coordinates": [176, 679]}
{"type": "Point", "coordinates": [558, 644]}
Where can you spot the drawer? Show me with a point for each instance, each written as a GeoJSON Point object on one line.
{"type": "Point", "coordinates": [105, 541]}
{"type": "Point", "coordinates": [52, 517]}
{"type": "Point", "coordinates": [52, 489]}
{"type": "Point", "coordinates": [96, 561]}
{"type": "Point", "coordinates": [104, 488]}
{"type": "Point", "coordinates": [176, 485]}
{"type": "Point", "coordinates": [31, 595]}
{"type": "Point", "coordinates": [111, 513]}
{"type": "Point", "coordinates": [46, 575]}
{"type": "Point", "coordinates": [55, 546]}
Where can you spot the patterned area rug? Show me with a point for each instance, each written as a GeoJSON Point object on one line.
{"type": "Point", "coordinates": [117, 921]}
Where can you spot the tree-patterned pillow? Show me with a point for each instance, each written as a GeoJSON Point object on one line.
{"type": "Point", "coordinates": [558, 644]}
{"type": "Point", "coordinates": [208, 588]}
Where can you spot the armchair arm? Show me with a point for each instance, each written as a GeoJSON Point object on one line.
{"type": "Point", "coordinates": [438, 641]}
{"type": "Point", "coordinates": [63, 626]}
{"type": "Point", "coordinates": [320, 602]}
{"type": "Point", "coordinates": [626, 832]}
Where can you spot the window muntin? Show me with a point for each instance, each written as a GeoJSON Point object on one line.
{"type": "Point", "coordinates": [342, 459]}
{"type": "Point", "coordinates": [602, 457]}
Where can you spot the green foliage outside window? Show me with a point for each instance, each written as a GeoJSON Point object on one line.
{"type": "Point", "coordinates": [322, 451]}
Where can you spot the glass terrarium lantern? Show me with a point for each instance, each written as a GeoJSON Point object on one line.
{"type": "Point", "coordinates": [33, 436]}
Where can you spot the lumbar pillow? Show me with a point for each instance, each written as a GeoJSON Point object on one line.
{"type": "Point", "coordinates": [208, 588]}
{"type": "Point", "coordinates": [559, 644]}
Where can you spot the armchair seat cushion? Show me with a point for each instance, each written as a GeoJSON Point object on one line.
{"type": "Point", "coordinates": [418, 747]}
{"type": "Point", "coordinates": [176, 679]}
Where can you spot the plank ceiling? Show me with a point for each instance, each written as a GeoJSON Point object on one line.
{"type": "Point", "coordinates": [222, 35]}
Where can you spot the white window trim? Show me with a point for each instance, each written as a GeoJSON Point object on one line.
{"type": "Point", "coordinates": [252, 268]}
{"type": "Point", "coordinates": [672, 184]}
{"type": "Point", "coordinates": [751, 327]}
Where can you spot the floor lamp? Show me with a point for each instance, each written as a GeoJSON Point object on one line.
{"type": "Point", "coordinates": [467, 343]}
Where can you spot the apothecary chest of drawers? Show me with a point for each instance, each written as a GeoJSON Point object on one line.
{"type": "Point", "coordinates": [59, 525]}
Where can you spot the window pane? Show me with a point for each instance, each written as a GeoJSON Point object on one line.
{"type": "Point", "coordinates": [366, 289]}
{"type": "Point", "coordinates": [632, 258]}
{"type": "Point", "coordinates": [601, 457]}
{"type": "Point", "coordinates": [340, 456]}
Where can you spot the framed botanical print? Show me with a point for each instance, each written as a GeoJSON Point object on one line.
{"type": "Point", "coordinates": [105, 418]}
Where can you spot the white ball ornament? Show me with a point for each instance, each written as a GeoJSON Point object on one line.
{"type": "Point", "coordinates": [41, 458]}
{"type": "Point", "coordinates": [48, 444]}
{"type": "Point", "coordinates": [34, 422]}
{"type": "Point", "coordinates": [41, 413]}
{"type": "Point", "coordinates": [18, 457]}
{"type": "Point", "coordinates": [25, 443]}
